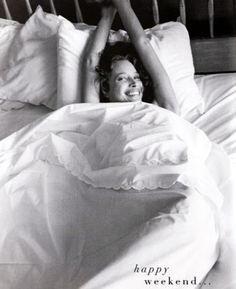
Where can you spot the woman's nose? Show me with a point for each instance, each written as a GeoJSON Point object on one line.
{"type": "Point", "coordinates": [132, 82]}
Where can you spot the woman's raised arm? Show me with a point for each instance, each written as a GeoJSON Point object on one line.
{"type": "Point", "coordinates": [163, 90]}
{"type": "Point", "coordinates": [92, 56]}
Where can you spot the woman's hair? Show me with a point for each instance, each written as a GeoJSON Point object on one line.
{"type": "Point", "coordinates": [116, 52]}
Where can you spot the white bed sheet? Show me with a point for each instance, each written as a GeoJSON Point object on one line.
{"type": "Point", "coordinates": [219, 123]}
{"type": "Point", "coordinates": [16, 115]}
{"type": "Point", "coordinates": [219, 119]}
{"type": "Point", "coordinates": [52, 222]}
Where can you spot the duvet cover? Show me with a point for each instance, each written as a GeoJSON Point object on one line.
{"type": "Point", "coordinates": [119, 195]}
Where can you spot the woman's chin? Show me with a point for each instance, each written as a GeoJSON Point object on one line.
{"type": "Point", "coordinates": [126, 99]}
{"type": "Point", "coordinates": [133, 99]}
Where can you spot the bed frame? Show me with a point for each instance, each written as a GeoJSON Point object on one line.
{"type": "Point", "coordinates": [212, 52]}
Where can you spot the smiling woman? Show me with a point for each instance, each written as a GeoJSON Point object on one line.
{"type": "Point", "coordinates": [130, 87]}
{"type": "Point", "coordinates": [124, 82]}
{"type": "Point", "coordinates": [120, 69]}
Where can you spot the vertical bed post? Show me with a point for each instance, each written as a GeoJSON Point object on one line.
{"type": "Point", "coordinates": [211, 17]}
{"type": "Point", "coordinates": [53, 8]}
{"type": "Point", "coordinates": [6, 10]}
{"type": "Point", "coordinates": [78, 12]}
{"type": "Point", "coordinates": [155, 11]}
{"type": "Point", "coordinates": [182, 11]}
{"type": "Point", "coordinates": [28, 6]}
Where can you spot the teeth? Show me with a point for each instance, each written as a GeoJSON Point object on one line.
{"type": "Point", "coordinates": [133, 93]}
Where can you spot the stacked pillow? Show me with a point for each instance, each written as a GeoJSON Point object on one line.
{"type": "Point", "coordinates": [172, 44]}
{"type": "Point", "coordinates": [71, 48]}
{"type": "Point", "coordinates": [28, 60]}
{"type": "Point", "coordinates": [8, 22]}
{"type": "Point", "coordinates": [41, 61]}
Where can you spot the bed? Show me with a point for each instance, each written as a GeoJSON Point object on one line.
{"type": "Point", "coordinates": [83, 204]}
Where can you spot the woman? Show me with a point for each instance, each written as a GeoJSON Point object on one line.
{"type": "Point", "coordinates": [123, 81]}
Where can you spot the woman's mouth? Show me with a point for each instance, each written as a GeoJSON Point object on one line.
{"type": "Point", "coordinates": [133, 93]}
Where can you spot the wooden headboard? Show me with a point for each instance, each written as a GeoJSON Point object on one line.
{"type": "Point", "coordinates": [214, 54]}
{"type": "Point", "coordinates": [211, 23]}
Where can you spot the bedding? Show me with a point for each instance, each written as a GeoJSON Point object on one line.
{"type": "Point", "coordinates": [55, 46]}
{"type": "Point", "coordinates": [8, 22]}
{"type": "Point", "coordinates": [218, 121]}
{"type": "Point", "coordinates": [71, 47]}
{"type": "Point", "coordinates": [133, 175]}
{"type": "Point", "coordinates": [78, 217]}
{"type": "Point", "coordinates": [16, 115]}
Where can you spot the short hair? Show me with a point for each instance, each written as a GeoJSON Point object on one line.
{"type": "Point", "coordinates": [116, 52]}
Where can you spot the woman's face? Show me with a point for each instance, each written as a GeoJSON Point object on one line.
{"type": "Point", "coordinates": [124, 82]}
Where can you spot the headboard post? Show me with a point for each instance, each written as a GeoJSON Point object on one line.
{"type": "Point", "coordinates": [78, 12]}
{"type": "Point", "coordinates": [155, 11]}
{"type": "Point", "coordinates": [211, 17]}
{"type": "Point", "coordinates": [53, 8]}
{"type": "Point", "coordinates": [28, 6]}
{"type": "Point", "coordinates": [182, 11]}
{"type": "Point", "coordinates": [6, 10]}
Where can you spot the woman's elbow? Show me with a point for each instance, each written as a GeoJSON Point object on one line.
{"type": "Point", "coordinates": [175, 109]}
{"type": "Point", "coordinates": [173, 106]}
{"type": "Point", "coordinates": [169, 103]}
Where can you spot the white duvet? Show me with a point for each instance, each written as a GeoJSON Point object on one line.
{"type": "Point", "coordinates": [110, 196]}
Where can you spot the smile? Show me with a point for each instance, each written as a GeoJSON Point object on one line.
{"type": "Point", "coordinates": [133, 93]}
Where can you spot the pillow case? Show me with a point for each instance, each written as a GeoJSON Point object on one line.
{"type": "Point", "coordinates": [71, 47]}
{"type": "Point", "coordinates": [8, 22]}
{"type": "Point", "coordinates": [8, 29]}
{"type": "Point", "coordinates": [28, 62]}
{"type": "Point", "coordinates": [172, 44]}
{"type": "Point", "coordinates": [170, 41]}
{"type": "Point", "coordinates": [7, 35]}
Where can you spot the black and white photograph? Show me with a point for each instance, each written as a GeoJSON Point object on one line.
{"type": "Point", "coordinates": [117, 144]}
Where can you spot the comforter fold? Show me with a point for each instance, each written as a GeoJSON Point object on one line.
{"type": "Point", "coordinates": [93, 191]}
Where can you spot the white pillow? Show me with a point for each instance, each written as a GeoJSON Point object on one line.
{"type": "Point", "coordinates": [172, 44]}
{"type": "Point", "coordinates": [28, 62]}
{"type": "Point", "coordinates": [8, 29]}
{"type": "Point", "coordinates": [71, 48]}
{"type": "Point", "coordinates": [8, 22]}
{"type": "Point", "coordinates": [169, 40]}
{"type": "Point", "coordinates": [7, 35]}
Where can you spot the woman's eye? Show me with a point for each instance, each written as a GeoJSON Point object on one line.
{"type": "Point", "coordinates": [120, 78]}
{"type": "Point", "coordinates": [137, 77]}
